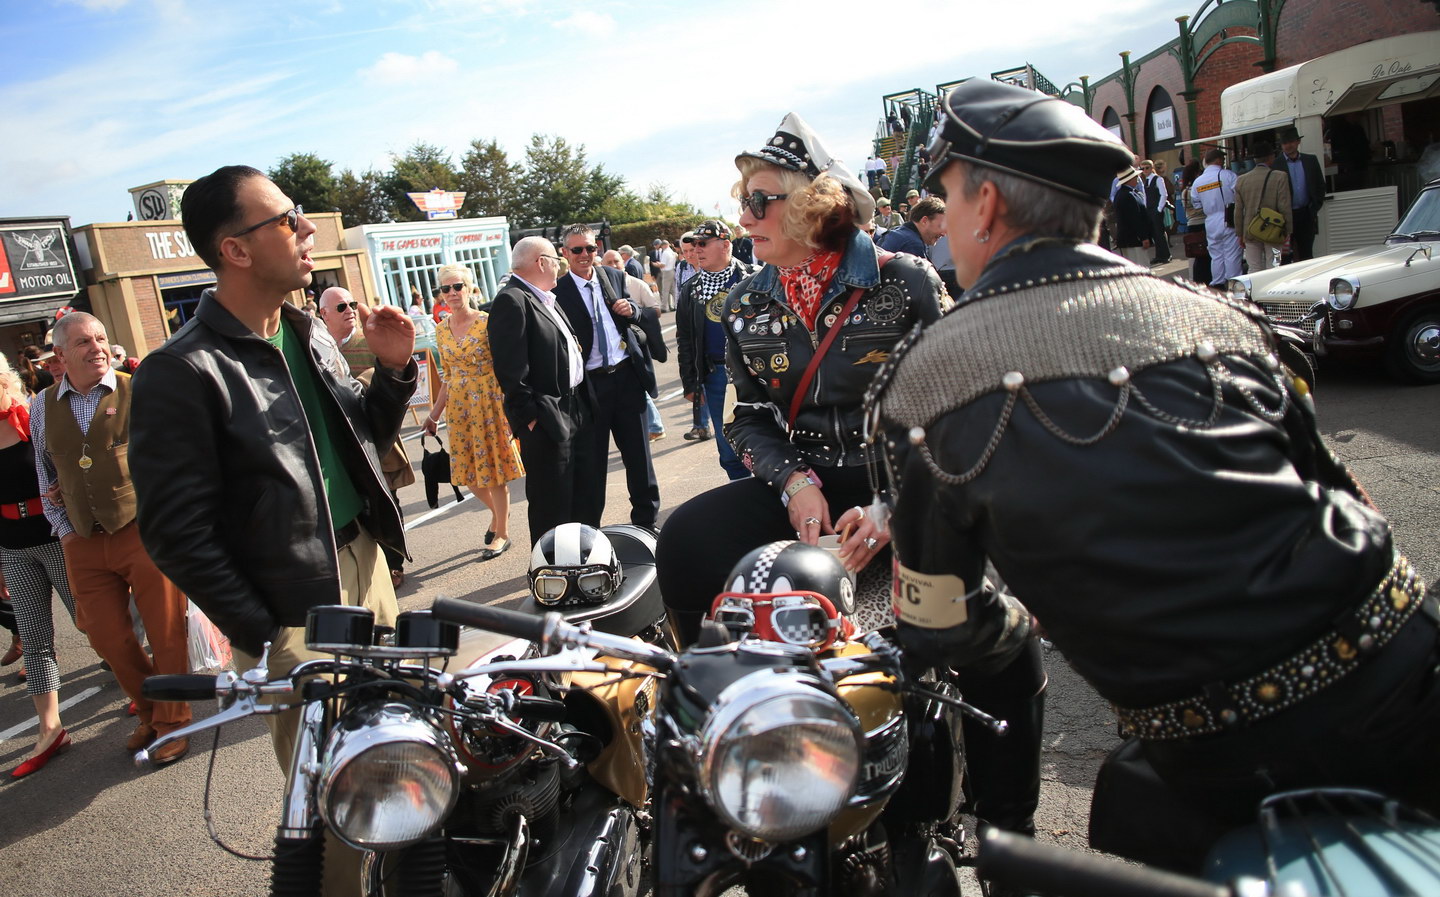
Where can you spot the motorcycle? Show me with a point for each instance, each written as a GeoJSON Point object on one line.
{"type": "Point", "coordinates": [505, 775]}
{"type": "Point", "coordinates": [789, 771]}
{"type": "Point", "coordinates": [1313, 842]}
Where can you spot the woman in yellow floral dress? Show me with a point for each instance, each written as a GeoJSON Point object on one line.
{"type": "Point", "coordinates": [483, 453]}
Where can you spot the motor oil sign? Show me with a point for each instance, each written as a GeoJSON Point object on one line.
{"type": "Point", "coordinates": [35, 263]}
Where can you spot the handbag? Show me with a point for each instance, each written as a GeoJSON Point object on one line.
{"type": "Point", "coordinates": [1268, 225]}
{"type": "Point", "coordinates": [435, 467]}
{"type": "Point", "coordinates": [1195, 245]}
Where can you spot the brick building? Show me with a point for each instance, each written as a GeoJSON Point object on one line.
{"type": "Point", "coordinates": [1156, 121]}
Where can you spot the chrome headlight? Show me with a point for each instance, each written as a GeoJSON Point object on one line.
{"type": "Point", "coordinates": [1343, 292]}
{"type": "Point", "coordinates": [1238, 287]}
{"type": "Point", "coordinates": [780, 755]}
{"type": "Point", "coordinates": [388, 778]}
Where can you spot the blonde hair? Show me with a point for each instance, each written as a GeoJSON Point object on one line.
{"type": "Point", "coordinates": [466, 276]}
{"type": "Point", "coordinates": [819, 212]}
{"type": "Point", "coordinates": [10, 383]}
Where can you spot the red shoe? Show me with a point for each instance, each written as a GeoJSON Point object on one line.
{"type": "Point", "coordinates": [132, 709]}
{"type": "Point", "coordinates": [37, 763]}
{"type": "Point", "coordinates": [14, 654]}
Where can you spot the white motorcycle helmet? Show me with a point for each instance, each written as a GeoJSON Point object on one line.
{"type": "Point", "coordinates": [574, 564]}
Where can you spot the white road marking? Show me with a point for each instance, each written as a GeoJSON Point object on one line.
{"type": "Point", "coordinates": [35, 721]}
{"type": "Point", "coordinates": [443, 509]}
{"type": "Point", "coordinates": [670, 395]}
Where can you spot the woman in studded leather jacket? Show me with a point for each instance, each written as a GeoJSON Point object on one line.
{"type": "Point", "coordinates": [822, 276]}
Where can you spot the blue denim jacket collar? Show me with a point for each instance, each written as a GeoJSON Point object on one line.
{"type": "Point", "coordinates": [858, 268]}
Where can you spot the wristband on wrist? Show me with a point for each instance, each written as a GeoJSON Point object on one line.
{"type": "Point", "coordinates": [803, 483]}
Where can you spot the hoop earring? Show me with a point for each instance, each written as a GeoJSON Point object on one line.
{"type": "Point", "coordinates": [982, 236]}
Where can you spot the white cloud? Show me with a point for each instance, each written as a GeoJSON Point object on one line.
{"type": "Point", "coordinates": [587, 23]}
{"type": "Point", "coordinates": [99, 5]}
{"type": "Point", "coordinates": [400, 69]}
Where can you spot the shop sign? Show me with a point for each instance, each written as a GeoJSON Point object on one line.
{"type": "Point", "coordinates": [437, 201]}
{"type": "Point", "coordinates": [188, 279]}
{"type": "Point", "coordinates": [402, 244]}
{"type": "Point", "coordinates": [35, 263]}
{"type": "Point", "coordinates": [1163, 121]}
{"type": "Point", "coordinates": [169, 244]}
{"type": "Point", "coordinates": [493, 236]}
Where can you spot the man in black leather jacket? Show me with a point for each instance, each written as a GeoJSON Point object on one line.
{"type": "Point", "coordinates": [256, 469]}
{"type": "Point", "coordinates": [1149, 481]}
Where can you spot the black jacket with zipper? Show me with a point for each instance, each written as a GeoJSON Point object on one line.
{"type": "Point", "coordinates": [228, 482]}
{"type": "Point", "coordinates": [768, 348]}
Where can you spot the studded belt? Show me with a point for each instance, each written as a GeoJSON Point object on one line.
{"type": "Point", "coordinates": [1224, 706]}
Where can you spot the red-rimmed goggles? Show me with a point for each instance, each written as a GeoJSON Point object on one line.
{"type": "Point", "coordinates": [806, 619]}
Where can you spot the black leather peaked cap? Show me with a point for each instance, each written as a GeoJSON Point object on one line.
{"type": "Point", "coordinates": [1030, 135]}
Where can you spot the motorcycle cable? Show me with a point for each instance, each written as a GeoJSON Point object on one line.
{"type": "Point", "coordinates": [210, 818]}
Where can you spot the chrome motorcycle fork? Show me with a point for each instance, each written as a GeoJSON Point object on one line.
{"type": "Point", "coordinates": [299, 812]}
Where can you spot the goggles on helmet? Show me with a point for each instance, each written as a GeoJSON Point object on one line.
{"type": "Point", "coordinates": [805, 619]}
{"type": "Point", "coordinates": [591, 584]}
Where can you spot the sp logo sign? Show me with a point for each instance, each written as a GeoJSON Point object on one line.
{"type": "Point", "coordinates": [153, 206]}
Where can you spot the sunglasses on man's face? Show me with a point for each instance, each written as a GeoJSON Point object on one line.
{"type": "Point", "coordinates": [447, 287]}
{"type": "Point", "coordinates": [590, 248]}
{"type": "Point", "coordinates": [757, 201]}
{"type": "Point", "coordinates": [291, 219]}
{"type": "Point", "coordinates": [346, 306]}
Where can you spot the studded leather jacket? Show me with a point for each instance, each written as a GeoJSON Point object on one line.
{"type": "Point", "coordinates": [1141, 471]}
{"type": "Point", "coordinates": [768, 348]}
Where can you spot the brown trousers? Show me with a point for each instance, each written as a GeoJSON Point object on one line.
{"type": "Point", "coordinates": [103, 569]}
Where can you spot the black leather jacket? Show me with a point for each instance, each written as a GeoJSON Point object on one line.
{"type": "Point", "coordinates": [768, 349]}
{"type": "Point", "coordinates": [1163, 556]}
{"type": "Point", "coordinates": [690, 325]}
{"type": "Point", "coordinates": [226, 472]}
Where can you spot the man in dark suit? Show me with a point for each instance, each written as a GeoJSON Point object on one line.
{"type": "Point", "coordinates": [616, 339]}
{"type": "Point", "coordinates": [1307, 194]}
{"type": "Point", "coordinates": [632, 264]}
{"type": "Point", "coordinates": [542, 374]}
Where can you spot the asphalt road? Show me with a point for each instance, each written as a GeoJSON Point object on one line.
{"type": "Point", "coordinates": [90, 824]}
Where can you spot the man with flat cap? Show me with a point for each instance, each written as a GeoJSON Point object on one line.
{"type": "Point", "coordinates": [1150, 484]}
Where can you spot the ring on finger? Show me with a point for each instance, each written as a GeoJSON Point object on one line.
{"type": "Point", "coordinates": [871, 543]}
{"type": "Point", "coordinates": [861, 511]}
{"type": "Point", "coordinates": [812, 521]}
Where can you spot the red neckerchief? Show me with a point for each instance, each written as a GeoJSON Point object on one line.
{"type": "Point", "coordinates": [806, 282]}
{"type": "Point", "coordinates": [18, 416]}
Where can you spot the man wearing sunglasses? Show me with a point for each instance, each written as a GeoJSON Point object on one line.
{"type": "Point", "coordinates": [338, 311]}
{"type": "Point", "coordinates": [616, 340]}
{"type": "Point", "coordinates": [700, 337]}
{"type": "Point", "coordinates": [256, 466]}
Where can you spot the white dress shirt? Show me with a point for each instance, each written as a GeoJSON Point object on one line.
{"type": "Point", "coordinates": [606, 345]}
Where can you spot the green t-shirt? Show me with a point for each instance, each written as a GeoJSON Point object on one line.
{"type": "Point", "coordinates": [324, 417]}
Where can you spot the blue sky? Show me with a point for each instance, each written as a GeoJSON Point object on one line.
{"type": "Point", "coordinates": [98, 96]}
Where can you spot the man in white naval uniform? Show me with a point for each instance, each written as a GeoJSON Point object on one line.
{"type": "Point", "coordinates": [1213, 190]}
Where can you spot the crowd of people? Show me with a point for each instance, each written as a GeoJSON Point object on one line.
{"type": "Point", "coordinates": [952, 448]}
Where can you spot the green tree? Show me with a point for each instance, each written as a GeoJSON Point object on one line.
{"type": "Point", "coordinates": [557, 183]}
{"type": "Point", "coordinates": [361, 199]}
{"type": "Point", "coordinates": [423, 168]}
{"type": "Point", "coordinates": [308, 180]}
{"type": "Point", "coordinates": [492, 183]}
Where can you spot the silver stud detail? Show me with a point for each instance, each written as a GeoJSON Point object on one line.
{"type": "Point", "coordinates": [1013, 380]}
{"type": "Point", "coordinates": [1120, 376]}
{"type": "Point", "coordinates": [698, 853]}
{"type": "Point", "coordinates": [917, 435]}
{"type": "Point", "coordinates": [798, 853]}
{"type": "Point", "coordinates": [1206, 351]}
{"type": "Point", "coordinates": [1307, 671]}
{"type": "Point", "coordinates": [1376, 622]}
{"type": "Point", "coordinates": [1272, 362]}
{"type": "Point", "coordinates": [1366, 642]}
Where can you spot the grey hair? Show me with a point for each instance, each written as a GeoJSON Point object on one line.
{"type": "Point", "coordinates": [627, 249]}
{"type": "Point", "coordinates": [528, 251]}
{"type": "Point", "coordinates": [1035, 209]}
{"type": "Point", "coordinates": [61, 331]}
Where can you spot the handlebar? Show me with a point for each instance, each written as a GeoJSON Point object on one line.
{"type": "Point", "coordinates": [178, 687]}
{"type": "Point", "coordinates": [1028, 865]}
{"type": "Point", "coordinates": [550, 631]}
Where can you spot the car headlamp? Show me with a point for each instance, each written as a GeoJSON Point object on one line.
{"type": "Point", "coordinates": [388, 778]}
{"type": "Point", "coordinates": [1238, 288]}
{"type": "Point", "coordinates": [780, 755]}
{"type": "Point", "coordinates": [1343, 292]}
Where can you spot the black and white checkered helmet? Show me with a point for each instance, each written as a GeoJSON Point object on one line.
{"type": "Point", "coordinates": [792, 566]}
{"type": "Point", "coordinates": [574, 563]}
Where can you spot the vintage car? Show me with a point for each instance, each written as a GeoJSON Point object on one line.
{"type": "Point", "coordinates": [1381, 302]}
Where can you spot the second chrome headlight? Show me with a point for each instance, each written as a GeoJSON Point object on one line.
{"type": "Point", "coordinates": [388, 778]}
{"type": "Point", "coordinates": [780, 756]}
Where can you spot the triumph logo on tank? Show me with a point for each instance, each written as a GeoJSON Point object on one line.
{"type": "Point", "coordinates": [35, 264]}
